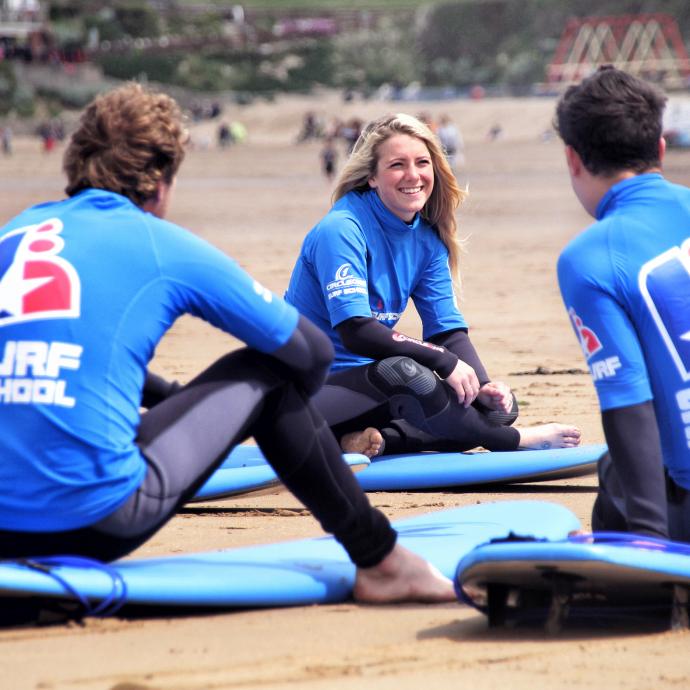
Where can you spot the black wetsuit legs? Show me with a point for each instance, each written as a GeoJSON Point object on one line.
{"type": "Point", "coordinates": [185, 438]}
{"type": "Point", "coordinates": [668, 516]}
{"type": "Point", "coordinates": [398, 388]}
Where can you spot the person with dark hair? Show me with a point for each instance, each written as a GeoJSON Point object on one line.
{"type": "Point", "coordinates": [625, 282]}
{"type": "Point", "coordinates": [88, 287]}
{"type": "Point", "coordinates": [329, 158]}
{"type": "Point", "coordinates": [391, 237]}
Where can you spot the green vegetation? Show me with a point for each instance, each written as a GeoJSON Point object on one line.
{"type": "Point", "coordinates": [505, 44]}
{"type": "Point", "coordinates": [315, 5]}
{"type": "Point", "coordinates": [13, 95]}
{"type": "Point", "coordinates": [510, 43]}
{"type": "Point", "coordinates": [8, 87]}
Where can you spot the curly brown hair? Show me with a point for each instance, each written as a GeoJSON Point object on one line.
{"type": "Point", "coordinates": [128, 140]}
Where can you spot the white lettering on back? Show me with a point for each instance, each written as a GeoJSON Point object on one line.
{"type": "Point", "coordinates": [605, 368]}
{"type": "Point", "coordinates": [29, 371]}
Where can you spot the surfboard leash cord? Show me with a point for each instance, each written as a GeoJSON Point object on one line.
{"type": "Point", "coordinates": [108, 606]}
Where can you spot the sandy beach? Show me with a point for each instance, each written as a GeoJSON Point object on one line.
{"type": "Point", "coordinates": [256, 201]}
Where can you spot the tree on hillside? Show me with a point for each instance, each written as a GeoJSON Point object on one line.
{"type": "Point", "coordinates": [371, 57]}
{"type": "Point", "coordinates": [506, 41]}
{"type": "Point", "coordinates": [8, 86]}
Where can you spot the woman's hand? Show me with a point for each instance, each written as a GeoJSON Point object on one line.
{"type": "Point", "coordinates": [496, 395]}
{"type": "Point", "coordinates": [464, 382]}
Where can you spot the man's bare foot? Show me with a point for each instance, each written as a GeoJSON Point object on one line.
{"type": "Point", "coordinates": [368, 442]}
{"type": "Point", "coordinates": [402, 576]}
{"type": "Point", "coordinates": [546, 436]}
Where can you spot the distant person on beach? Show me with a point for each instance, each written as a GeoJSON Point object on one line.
{"type": "Point", "coordinates": [47, 134]}
{"type": "Point", "coordinates": [626, 285]}
{"type": "Point", "coordinates": [224, 135]}
{"type": "Point", "coordinates": [88, 287]}
{"type": "Point", "coordinates": [329, 158]}
{"type": "Point", "coordinates": [311, 127]}
{"type": "Point", "coordinates": [391, 236]}
{"type": "Point", "coordinates": [495, 132]}
{"type": "Point", "coordinates": [451, 140]}
{"type": "Point", "coordinates": [350, 132]}
{"type": "Point", "coordinates": [238, 132]}
{"type": "Point", "coordinates": [7, 137]}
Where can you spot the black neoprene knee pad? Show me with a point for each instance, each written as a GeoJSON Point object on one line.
{"type": "Point", "coordinates": [393, 374]}
{"type": "Point", "coordinates": [409, 386]}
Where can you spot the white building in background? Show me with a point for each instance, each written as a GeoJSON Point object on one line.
{"type": "Point", "coordinates": [21, 11]}
{"type": "Point", "coordinates": [22, 26]}
{"type": "Point", "coordinates": [677, 121]}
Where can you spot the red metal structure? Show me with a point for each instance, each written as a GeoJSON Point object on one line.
{"type": "Point", "coordinates": [647, 45]}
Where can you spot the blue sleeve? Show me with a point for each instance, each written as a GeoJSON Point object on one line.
{"type": "Point", "coordinates": [606, 334]}
{"type": "Point", "coordinates": [434, 297]}
{"type": "Point", "coordinates": [208, 284]}
{"type": "Point", "coordinates": [339, 257]}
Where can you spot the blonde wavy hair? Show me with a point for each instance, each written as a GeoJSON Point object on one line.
{"type": "Point", "coordinates": [128, 140]}
{"type": "Point", "coordinates": [446, 196]}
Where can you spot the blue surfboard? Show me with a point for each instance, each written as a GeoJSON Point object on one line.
{"type": "Point", "coordinates": [245, 471]}
{"type": "Point", "coordinates": [447, 470]}
{"type": "Point", "coordinates": [300, 572]}
{"type": "Point", "coordinates": [425, 470]}
{"type": "Point", "coordinates": [610, 571]}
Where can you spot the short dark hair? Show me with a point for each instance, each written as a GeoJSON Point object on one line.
{"type": "Point", "coordinates": [613, 120]}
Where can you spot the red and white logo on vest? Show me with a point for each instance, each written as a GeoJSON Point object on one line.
{"type": "Point", "coordinates": [35, 282]}
{"type": "Point", "coordinates": [589, 340]}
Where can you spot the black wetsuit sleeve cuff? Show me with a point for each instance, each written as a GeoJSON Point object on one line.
{"type": "Point", "coordinates": [367, 337]}
{"type": "Point", "coordinates": [458, 342]}
{"type": "Point", "coordinates": [632, 436]}
{"type": "Point", "coordinates": [307, 354]}
{"type": "Point", "coordinates": [157, 389]}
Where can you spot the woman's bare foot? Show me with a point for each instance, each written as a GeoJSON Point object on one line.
{"type": "Point", "coordinates": [402, 576]}
{"type": "Point", "coordinates": [368, 442]}
{"type": "Point", "coordinates": [546, 436]}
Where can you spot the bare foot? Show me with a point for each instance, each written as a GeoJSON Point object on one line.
{"type": "Point", "coordinates": [368, 442]}
{"type": "Point", "coordinates": [546, 436]}
{"type": "Point", "coordinates": [402, 576]}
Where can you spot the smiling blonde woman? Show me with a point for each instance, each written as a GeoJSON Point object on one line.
{"type": "Point", "coordinates": [392, 236]}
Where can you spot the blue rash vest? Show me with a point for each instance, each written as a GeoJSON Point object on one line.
{"type": "Point", "coordinates": [88, 287]}
{"type": "Point", "coordinates": [625, 282]}
{"type": "Point", "coordinates": [362, 260]}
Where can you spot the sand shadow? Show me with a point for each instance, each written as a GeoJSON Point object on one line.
{"type": "Point", "coordinates": [475, 627]}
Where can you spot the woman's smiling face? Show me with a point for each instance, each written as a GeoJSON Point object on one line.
{"type": "Point", "coordinates": [404, 177]}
